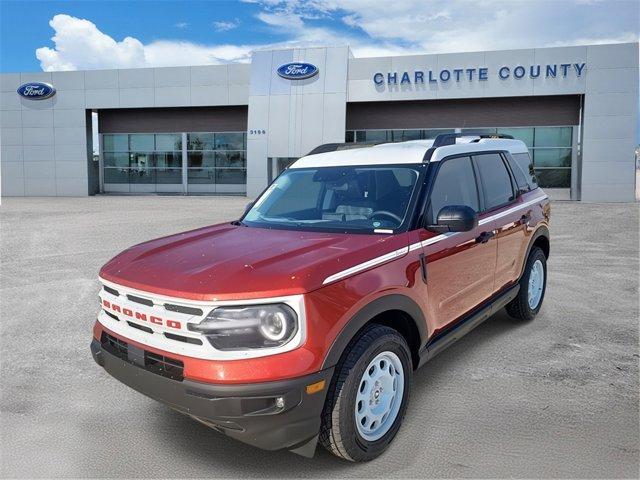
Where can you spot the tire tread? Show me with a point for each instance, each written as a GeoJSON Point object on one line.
{"type": "Point", "coordinates": [519, 307]}
{"type": "Point", "coordinates": [330, 432]}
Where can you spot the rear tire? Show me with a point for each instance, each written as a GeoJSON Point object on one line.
{"type": "Point", "coordinates": [368, 395]}
{"type": "Point", "coordinates": [533, 285]}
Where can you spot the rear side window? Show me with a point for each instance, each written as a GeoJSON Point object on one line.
{"type": "Point", "coordinates": [523, 160]}
{"type": "Point", "coordinates": [496, 181]}
{"type": "Point", "coordinates": [454, 185]}
{"type": "Point", "coordinates": [518, 175]}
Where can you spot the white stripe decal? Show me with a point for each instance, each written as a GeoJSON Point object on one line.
{"type": "Point", "coordinates": [368, 264]}
{"type": "Point", "coordinates": [414, 246]}
{"type": "Point", "coordinates": [511, 210]}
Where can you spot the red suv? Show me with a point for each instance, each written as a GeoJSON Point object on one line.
{"type": "Point", "coordinates": [305, 319]}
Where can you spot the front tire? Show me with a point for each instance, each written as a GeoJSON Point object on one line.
{"type": "Point", "coordinates": [368, 395]}
{"type": "Point", "coordinates": [533, 285]}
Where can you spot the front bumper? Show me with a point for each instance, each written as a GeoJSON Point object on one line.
{"type": "Point", "coordinates": [271, 415]}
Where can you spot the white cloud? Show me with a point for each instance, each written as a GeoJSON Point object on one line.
{"type": "Point", "coordinates": [370, 27]}
{"type": "Point", "coordinates": [79, 44]}
{"type": "Point", "coordinates": [225, 26]}
{"type": "Point", "coordinates": [181, 25]}
{"type": "Point", "coordinates": [436, 26]}
{"type": "Point", "coordinates": [281, 20]}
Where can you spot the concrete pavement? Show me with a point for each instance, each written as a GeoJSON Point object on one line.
{"type": "Point", "coordinates": [556, 397]}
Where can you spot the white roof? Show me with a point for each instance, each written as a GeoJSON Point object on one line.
{"type": "Point", "coordinates": [407, 152]}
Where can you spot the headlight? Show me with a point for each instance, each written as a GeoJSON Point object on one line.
{"type": "Point", "coordinates": [256, 326]}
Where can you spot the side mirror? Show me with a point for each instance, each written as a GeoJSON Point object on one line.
{"type": "Point", "coordinates": [455, 218]}
{"type": "Point", "coordinates": [247, 208]}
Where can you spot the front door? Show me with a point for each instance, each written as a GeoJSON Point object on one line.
{"type": "Point", "coordinates": [460, 266]}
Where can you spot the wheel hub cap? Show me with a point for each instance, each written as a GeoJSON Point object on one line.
{"type": "Point", "coordinates": [379, 397]}
{"type": "Point", "coordinates": [536, 284]}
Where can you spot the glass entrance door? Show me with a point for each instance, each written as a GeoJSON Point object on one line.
{"type": "Point", "coordinates": [208, 162]}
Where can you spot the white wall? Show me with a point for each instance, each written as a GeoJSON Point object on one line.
{"type": "Point", "coordinates": [609, 84]}
{"type": "Point", "coordinates": [610, 124]}
{"type": "Point", "coordinates": [296, 115]}
{"type": "Point", "coordinates": [43, 143]}
{"type": "Point", "coordinates": [363, 89]}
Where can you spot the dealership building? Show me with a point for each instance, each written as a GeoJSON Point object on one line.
{"type": "Point", "coordinates": [230, 129]}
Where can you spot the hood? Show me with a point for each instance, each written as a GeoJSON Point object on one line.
{"type": "Point", "coordinates": [226, 261]}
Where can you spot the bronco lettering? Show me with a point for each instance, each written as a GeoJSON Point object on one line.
{"type": "Point", "coordinates": [141, 316]}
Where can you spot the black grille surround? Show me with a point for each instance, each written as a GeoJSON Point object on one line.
{"type": "Point", "coordinates": [155, 363]}
{"type": "Point", "coordinates": [183, 309]}
{"type": "Point", "coordinates": [143, 301]}
{"type": "Point", "coordinates": [112, 291]}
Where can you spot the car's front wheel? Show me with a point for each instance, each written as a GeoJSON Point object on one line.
{"type": "Point", "coordinates": [368, 395]}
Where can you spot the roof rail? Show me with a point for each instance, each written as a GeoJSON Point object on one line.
{"type": "Point", "coordinates": [334, 147]}
{"type": "Point", "coordinates": [444, 139]}
{"type": "Point", "coordinates": [494, 135]}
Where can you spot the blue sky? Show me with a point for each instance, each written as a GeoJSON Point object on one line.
{"type": "Point", "coordinates": [96, 34]}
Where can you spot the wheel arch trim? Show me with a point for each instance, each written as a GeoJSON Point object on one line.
{"type": "Point", "coordinates": [542, 231]}
{"type": "Point", "coordinates": [367, 313]}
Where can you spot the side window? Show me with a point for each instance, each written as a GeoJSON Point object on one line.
{"type": "Point", "coordinates": [455, 185]}
{"type": "Point", "coordinates": [496, 181]}
{"type": "Point", "coordinates": [526, 165]}
{"type": "Point", "coordinates": [518, 175]}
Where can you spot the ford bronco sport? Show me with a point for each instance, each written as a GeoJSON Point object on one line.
{"type": "Point", "coordinates": [304, 320]}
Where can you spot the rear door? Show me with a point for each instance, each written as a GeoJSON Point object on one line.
{"type": "Point", "coordinates": [500, 198]}
{"type": "Point", "coordinates": [460, 266]}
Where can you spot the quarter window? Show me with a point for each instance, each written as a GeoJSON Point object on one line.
{"type": "Point", "coordinates": [525, 165]}
{"type": "Point", "coordinates": [496, 181]}
{"type": "Point", "coordinates": [455, 185]}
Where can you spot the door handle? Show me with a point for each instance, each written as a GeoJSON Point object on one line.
{"type": "Point", "coordinates": [484, 237]}
{"type": "Point", "coordinates": [524, 219]}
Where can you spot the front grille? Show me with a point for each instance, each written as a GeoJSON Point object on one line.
{"type": "Point", "coordinates": [143, 301]}
{"type": "Point", "coordinates": [112, 291]}
{"type": "Point", "coordinates": [153, 362]}
{"type": "Point", "coordinates": [182, 309]}
{"type": "Point", "coordinates": [140, 327]}
{"type": "Point", "coordinates": [115, 317]}
{"type": "Point", "coordinates": [182, 338]}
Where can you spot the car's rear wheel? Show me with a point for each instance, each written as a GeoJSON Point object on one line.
{"type": "Point", "coordinates": [533, 285]}
{"type": "Point", "coordinates": [368, 395]}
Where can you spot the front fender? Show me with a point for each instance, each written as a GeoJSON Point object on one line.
{"type": "Point", "coordinates": [380, 305]}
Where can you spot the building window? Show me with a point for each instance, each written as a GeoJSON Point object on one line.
{"type": "Point", "coordinates": [142, 158]}
{"type": "Point", "coordinates": [215, 161]}
{"type": "Point", "coordinates": [551, 148]}
{"type": "Point", "coordinates": [217, 158]}
{"type": "Point", "coordinates": [393, 135]}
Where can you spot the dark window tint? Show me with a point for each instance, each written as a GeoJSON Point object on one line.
{"type": "Point", "coordinates": [519, 176]}
{"type": "Point", "coordinates": [526, 165]}
{"type": "Point", "coordinates": [496, 181]}
{"type": "Point", "coordinates": [455, 185]}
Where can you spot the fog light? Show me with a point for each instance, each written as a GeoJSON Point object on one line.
{"type": "Point", "coordinates": [279, 402]}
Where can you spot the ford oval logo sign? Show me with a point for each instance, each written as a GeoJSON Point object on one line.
{"type": "Point", "coordinates": [36, 90]}
{"type": "Point", "coordinates": [297, 71]}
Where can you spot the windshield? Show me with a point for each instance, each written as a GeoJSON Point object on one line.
{"type": "Point", "coordinates": [365, 199]}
